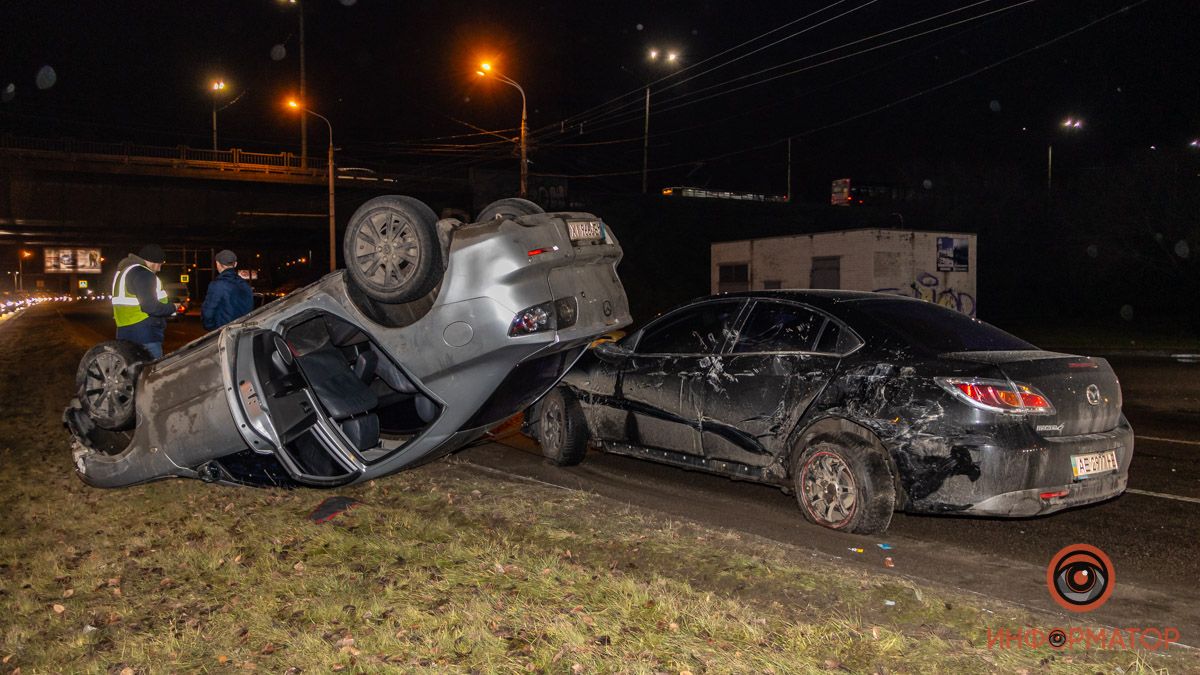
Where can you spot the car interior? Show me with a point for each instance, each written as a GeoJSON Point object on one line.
{"type": "Point", "coordinates": [370, 400]}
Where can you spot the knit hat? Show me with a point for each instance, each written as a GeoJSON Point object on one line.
{"type": "Point", "coordinates": [152, 253]}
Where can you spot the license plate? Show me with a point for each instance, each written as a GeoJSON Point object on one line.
{"type": "Point", "coordinates": [1083, 466]}
{"type": "Point", "coordinates": [584, 229]}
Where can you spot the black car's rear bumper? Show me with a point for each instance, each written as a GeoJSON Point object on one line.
{"type": "Point", "coordinates": [1016, 473]}
{"type": "Point", "coordinates": [1031, 502]}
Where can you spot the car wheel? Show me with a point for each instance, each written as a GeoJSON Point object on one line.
{"type": "Point", "coordinates": [511, 207]}
{"type": "Point", "coordinates": [391, 249]}
{"type": "Point", "coordinates": [105, 383]}
{"type": "Point", "coordinates": [562, 430]}
{"type": "Point", "coordinates": [845, 486]}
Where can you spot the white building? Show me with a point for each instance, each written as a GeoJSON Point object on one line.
{"type": "Point", "coordinates": [936, 266]}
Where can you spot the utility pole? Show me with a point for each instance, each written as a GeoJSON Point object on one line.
{"type": "Point", "coordinates": [303, 94]}
{"type": "Point", "coordinates": [646, 141]}
{"type": "Point", "coordinates": [1049, 168]}
{"type": "Point", "coordinates": [333, 220]}
{"type": "Point", "coordinates": [787, 197]}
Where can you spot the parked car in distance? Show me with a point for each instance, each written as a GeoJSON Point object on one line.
{"type": "Point", "coordinates": [860, 403]}
{"type": "Point", "coordinates": [434, 332]}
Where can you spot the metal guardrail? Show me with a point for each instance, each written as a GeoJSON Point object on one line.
{"type": "Point", "coordinates": [180, 156]}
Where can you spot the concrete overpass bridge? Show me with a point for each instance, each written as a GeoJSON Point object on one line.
{"type": "Point", "coordinates": [83, 193]}
{"type": "Point", "coordinates": [120, 196]}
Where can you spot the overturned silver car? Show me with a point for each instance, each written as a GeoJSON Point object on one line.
{"type": "Point", "coordinates": [434, 332]}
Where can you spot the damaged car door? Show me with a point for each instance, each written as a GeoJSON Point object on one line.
{"type": "Point", "coordinates": [784, 356]}
{"type": "Point", "coordinates": [662, 384]}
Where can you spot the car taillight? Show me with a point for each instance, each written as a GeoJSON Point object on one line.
{"type": "Point", "coordinates": [557, 314]}
{"type": "Point", "coordinates": [1002, 396]}
{"type": "Point", "coordinates": [532, 320]}
{"type": "Point", "coordinates": [566, 310]}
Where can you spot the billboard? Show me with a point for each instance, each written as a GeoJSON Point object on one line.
{"type": "Point", "coordinates": [953, 254]}
{"type": "Point", "coordinates": [839, 192]}
{"type": "Point", "coordinates": [72, 260]}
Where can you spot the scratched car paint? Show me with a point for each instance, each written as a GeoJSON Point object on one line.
{"type": "Point", "coordinates": [860, 403]}
{"type": "Point", "coordinates": [332, 385]}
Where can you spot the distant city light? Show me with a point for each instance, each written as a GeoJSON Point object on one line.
{"type": "Point", "coordinates": [653, 54]}
{"type": "Point", "coordinates": [672, 57]}
{"type": "Point", "coordinates": [1072, 123]}
{"type": "Point", "coordinates": [218, 85]}
{"type": "Point", "coordinates": [1195, 143]}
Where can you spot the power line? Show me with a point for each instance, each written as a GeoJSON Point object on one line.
{"type": "Point", "coordinates": [877, 109]}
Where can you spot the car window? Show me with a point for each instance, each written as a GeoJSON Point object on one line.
{"type": "Point", "coordinates": [697, 330]}
{"type": "Point", "coordinates": [776, 327]}
{"type": "Point", "coordinates": [835, 339]}
{"type": "Point", "coordinates": [938, 329]}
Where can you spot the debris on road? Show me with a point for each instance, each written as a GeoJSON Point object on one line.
{"type": "Point", "coordinates": [331, 508]}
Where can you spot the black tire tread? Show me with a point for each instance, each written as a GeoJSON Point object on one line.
{"type": "Point", "coordinates": [129, 352]}
{"type": "Point", "coordinates": [575, 436]}
{"type": "Point", "coordinates": [513, 207]}
{"type": "Point", "coordinates": [430, 266]}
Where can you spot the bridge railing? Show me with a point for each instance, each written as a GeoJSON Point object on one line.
{"type": "Point", "coordinates": [180, 155]}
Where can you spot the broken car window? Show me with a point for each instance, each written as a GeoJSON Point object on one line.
{"type": "Point", "coordinates": [696, 330]}
{"type": "Point", "coordinates": [775, 327]}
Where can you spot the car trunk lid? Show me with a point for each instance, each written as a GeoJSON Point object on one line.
{"type": "Point", "coordinates": [1084, 390]}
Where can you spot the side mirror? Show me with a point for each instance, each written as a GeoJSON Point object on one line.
{"type": "Point", "coordinates": [611, 352]}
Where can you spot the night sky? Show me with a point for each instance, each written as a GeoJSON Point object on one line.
{"type": "Point", "coordinates": [397, 81]}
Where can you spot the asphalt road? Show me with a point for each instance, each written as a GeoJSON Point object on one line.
{"type": "Point", "coordinates": [1150, 533]}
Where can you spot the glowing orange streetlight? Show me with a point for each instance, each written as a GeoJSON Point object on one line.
{"type": "Point", "coordinates": [21, 268]}
{"type": "Point", "coordinates": [329, 168]}
{"type": "Point", "coordinates": [215, 89]}
{"type": "Point", "coordinates": [486, 69]}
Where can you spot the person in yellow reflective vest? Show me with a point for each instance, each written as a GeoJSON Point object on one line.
{"type": "Point", "coordinates": [140, 305]}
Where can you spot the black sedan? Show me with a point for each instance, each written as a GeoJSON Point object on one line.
{"type": "Point", "coordinates": [860, 403]}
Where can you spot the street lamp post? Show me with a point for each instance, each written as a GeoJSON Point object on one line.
{"type": "Point", "coordinates": [486, 68]}
{"type": "Point", "coordinates": [329, 171]}
{"type": "Point", "coordinates": [217, 87]}
{"type": "Point", "coordinates": [1069, 124]}
{"type": "Point", "coordinates": [21, 269]}
{"type": "Point", "coordinates": [671, 58]}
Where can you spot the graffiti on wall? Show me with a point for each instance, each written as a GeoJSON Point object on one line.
{"type": "Point", "coordinates": [927, 287]}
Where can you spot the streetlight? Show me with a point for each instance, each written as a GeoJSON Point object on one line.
{"type": "Point", "coordinates": [671, 58]}
{"type": "Point", "coordinates": [21, 268]}
{"type": "Point", "coordinates": [484, 70]}
{"type": "Point", "coordinates": [329, 172]}
{"type": "Point", "coordinates": [1069, 124]}
{"type": "Point", "coordinates": [303, 87]}
{"type": "Point", "coordinates": [217, 87]}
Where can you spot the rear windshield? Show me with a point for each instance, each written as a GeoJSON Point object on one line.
{"type": "Point", "coordinates": [932, 327]}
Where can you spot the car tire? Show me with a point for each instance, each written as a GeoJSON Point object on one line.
{"type": "Point", "coordinates": [391, 249]}
{"type": "Point", "coordinates": [511, 207]}
{"type": "Point", "coordinates": [562, 431]}
{"type": "Point", "coordinates": [105, 383]}
{"type": "Point", "coordinates": [845, 484]}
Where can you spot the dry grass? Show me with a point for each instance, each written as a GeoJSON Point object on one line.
{"type": "Point", "coordinates": [442, 569]}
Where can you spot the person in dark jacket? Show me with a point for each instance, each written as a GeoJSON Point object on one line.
{"type": "Point", "coordinates": [229, 296]}
{"type": "Point", "coordinates": [140, 305]}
